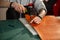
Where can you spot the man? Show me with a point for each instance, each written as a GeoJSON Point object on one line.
{"type": "Point", "coordinates": [18, 6]}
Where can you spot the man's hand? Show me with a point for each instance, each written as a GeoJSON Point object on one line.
{"type": "Point", "coordinates": [18, 7]}
{"type": "Point", "coordinates": [37, 20]}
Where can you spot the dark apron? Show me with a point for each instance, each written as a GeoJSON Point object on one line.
{"type": "Point", "coordinates": [12, 14]}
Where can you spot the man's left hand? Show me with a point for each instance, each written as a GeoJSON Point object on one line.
{"type": "Point", "coordinates": [36, 19]}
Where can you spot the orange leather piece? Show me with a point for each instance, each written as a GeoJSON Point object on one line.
{"type": "Point", "coordinates": [48, 29]}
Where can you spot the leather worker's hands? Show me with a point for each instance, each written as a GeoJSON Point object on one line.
{"type": "Point", "coordinates": [36, 20]}
{"type": "Point", "coordinates": [18, 7]}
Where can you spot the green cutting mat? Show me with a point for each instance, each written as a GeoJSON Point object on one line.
{"type": "Point", "coordinates": [15, 30]}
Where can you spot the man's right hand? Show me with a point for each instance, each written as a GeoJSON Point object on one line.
{"type": "Point", "coordinates": [18, 7]}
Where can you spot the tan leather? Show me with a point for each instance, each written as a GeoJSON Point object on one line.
{"type": "Point", "coordinates": [48, 29]}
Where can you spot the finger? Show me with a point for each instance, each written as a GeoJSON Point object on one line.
{"type": "Point", "coordinates": [31, 21]}
{"type": "Point", "coordinates": [38, 22]}
{"type": "Point", "coordinates": [23, 9]}
{"type": "Point", "coordinates": [19, 8]}
{"type": "Point", "coordinates": [35, 20]}
{"type": "Point", "coordinates": [16, 9]}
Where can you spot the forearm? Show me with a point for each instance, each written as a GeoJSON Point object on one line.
{"type": "Point", "coordinates": [42, 13]}
{"type": "Point", "coordinates": [40, 7]}
{"type": "Point", "coordinates": [42, 10]}
{"type": "Point", "coordinates": [4, 4]}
